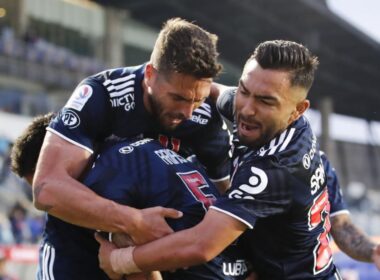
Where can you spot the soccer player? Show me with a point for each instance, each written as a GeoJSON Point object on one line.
{"type": "Point", "coordinates": [140, 174]}
{"type": "Point", "coordinates": [278, 196]}
{"type": "Point", "coordinates": [165, 98]}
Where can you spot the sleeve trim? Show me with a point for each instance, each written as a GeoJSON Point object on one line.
{"type": "Point", "coordinates": [69, 140]}
{"type": "Point", "coordinates": [233, 216]}
{"type": "Point", "coordinates": [220, 179]}
{"type": "Point", "coordinates": [340, 212]}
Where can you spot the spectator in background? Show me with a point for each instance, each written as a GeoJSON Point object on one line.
{"type": "Point", "coordinates": [18, 220]}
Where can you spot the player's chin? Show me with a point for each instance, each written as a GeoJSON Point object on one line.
{"type": "Point", "coordinates": [248, 139]}
{"type": "Point", "coordinates": [172, 123]}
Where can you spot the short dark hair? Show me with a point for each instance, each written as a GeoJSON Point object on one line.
{"type": "Point", "coordinates": [27, 147]}
{"type": "Point", "coordinates": [289, 56]}
{"type": "Point", "coordinates": [186, 48]}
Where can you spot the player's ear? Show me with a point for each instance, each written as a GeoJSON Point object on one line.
{"type": "Point", "coordinates": [148, 73]}
{"type": "Point", "coordinates": [301, 107]}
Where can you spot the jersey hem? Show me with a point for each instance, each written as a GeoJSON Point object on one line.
{"type": "Point", "coordinates": [232, 215]}
{"type": "Point", "coordinates": [339, 213]}
{"type": "Point", "coordinates": [69, 140]}
{"type": "Point", "coordinates": [220, 179]}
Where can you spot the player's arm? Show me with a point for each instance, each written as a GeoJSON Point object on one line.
{"type": "Point", "coordinates": [353, 241]}
{"type": "Point", "coordinates": [57, 192]}
{"type": "Point", "coordinates": [216, 90]}
{"type": "Point", "coordinates": [181, 249]}
{"type": "Point", "coordinates": [348, 237]}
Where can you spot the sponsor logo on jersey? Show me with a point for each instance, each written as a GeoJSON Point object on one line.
{"type": "Point", "coordinates": [237, 268]}
{"type": "Point", "coordinates": [317, 179]}
{"type": "Point", "coordinates": [308, 157]}
{"type": "Point", "coordinates": [70, 119]}
{"type": "Point", "coordinates": [199, 119]}
{"type": "Point", "coordinates": [306, 161]}
{"type": "Point", "coordinates": [127, 101]}
{"type": "Point", "coordinates": [121, 91]}
{"type": "Point", "coordinates": [79, 97]}
{"type": "Point", "coordinates": [128, 149]}
{"type": "Point", "coordinates": [169, 157]}
{"type": "Point", "coordinates": [257, 183]}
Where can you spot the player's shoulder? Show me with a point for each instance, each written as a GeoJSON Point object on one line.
{"type": "Point", "coordinates": [294, 146]}
{"type": "Point", "coordinates": [225, 102]}
{"type": "Point", "coordinates": [119, 75]}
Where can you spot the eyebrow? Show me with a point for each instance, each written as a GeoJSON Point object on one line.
{"type": "Point", "coordinates": [193, 100]}
{"type": "Point", "coordinates": [263, 97]}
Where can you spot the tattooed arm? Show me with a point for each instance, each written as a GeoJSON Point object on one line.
{"type": "Point", "coordinates": [353, 241]}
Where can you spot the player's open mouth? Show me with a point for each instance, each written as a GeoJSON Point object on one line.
{"type": "Point", "coordinates": [244, 127]}
{"type": "Point", "coordinates": [176, 121]}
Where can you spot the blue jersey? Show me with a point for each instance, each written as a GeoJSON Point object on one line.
{"type": "Point", "coordinates": [109, 105]}
{"type": "Point", "coordinates": [338, 205]}
{"type": "Point", "coordinates": [280, 192]}
{"type": "Point", "coordinates": [139, 174]}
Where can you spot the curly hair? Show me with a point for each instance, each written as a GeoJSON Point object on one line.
{"type": "Point", "coordinates": [186, 48]}
{"type": "Point", "coordinates": [289, 56]}
{"type": "Point", "coordinates": [26, 149]}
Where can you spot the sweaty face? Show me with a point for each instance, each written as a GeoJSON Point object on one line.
{"type": "Point", "coordinates": [172, 98]}
{"type": "Point", "coordinates": [265, 104]}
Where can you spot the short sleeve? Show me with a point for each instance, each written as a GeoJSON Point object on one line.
{"type": "Point", "coordinates": [258, 190]}
{"type": "Point", "coordinates": [84, 120]}
{"type": "Point", "coordinates": [338, 205]}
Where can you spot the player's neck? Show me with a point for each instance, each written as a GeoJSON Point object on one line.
{"type": "Point", "coordinates": [146, 101]}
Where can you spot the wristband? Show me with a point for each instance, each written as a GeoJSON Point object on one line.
{"type": "Point", "coordinates": [122, 261]}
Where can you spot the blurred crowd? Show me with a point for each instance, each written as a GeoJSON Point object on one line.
{"type": "Point", "coordinates": [20, 223]}
{"type": "Point", "coordinates": [34, 49]}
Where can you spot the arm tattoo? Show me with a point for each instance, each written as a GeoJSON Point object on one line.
{"type": "Point", "coordinates": [36, 193]}
{"type": "Point", "coordinates": [351, 240]}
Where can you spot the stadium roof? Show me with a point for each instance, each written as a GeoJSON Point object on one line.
{"type": "Point", "coordinates": [349, 69]}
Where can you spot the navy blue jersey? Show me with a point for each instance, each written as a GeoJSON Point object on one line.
{"type": "Point", "coordinates": [338, 205]}
{"type": "Point", "coordinates": [140, 174]}
{"type": "Point", "coordinates": [280, 192]}
{"type": "Point", "coordinates": [109, 105]}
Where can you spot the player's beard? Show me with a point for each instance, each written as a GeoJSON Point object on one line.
{"type": "Point", "coordinates": [164, 117]}
{"type": "Point", "coordinates": [264, 133]}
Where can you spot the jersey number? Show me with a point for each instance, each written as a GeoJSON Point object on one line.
{"type": "Point", "coordinates": [198, 187]}
{"type": "Point", "coordinates": [164, 141]}
{"type": "Point", "coordinates": [319, 213]}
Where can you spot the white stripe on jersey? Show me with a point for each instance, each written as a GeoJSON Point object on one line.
{"type": "Point", "coordinates": [287, 140]}
{"type": "Point", "coordinates": [43, 265]}
{"type": "Point", "coordinates": [283, 140]}
{"type": "Point", "coordinates": [337, 275]}
{"type": "Point", "coordinates": [120, 93]}
{"type": "Point", "coordinates": [119, 80]}
{"type": "Point", "coordinates": [121, 86]}
{"type": "Point", "coordinates": [52, 258]}
{"type": "Point", "coordinates": [206, 106]}
{"type": "Point", "coordinates": [48, 257]}
{"type": "Point", "coordinates": [203, 112]}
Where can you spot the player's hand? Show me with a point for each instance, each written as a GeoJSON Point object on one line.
{"type": "Point", "coordinates": [376, 256]}
{"type": "Point", "coordinates": [104, 257]}
{"type": "Point", "coordinates": [122, 240]}
{"type": "Point", "coordinates": [151, 224]}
